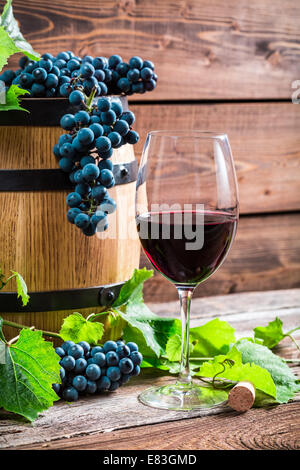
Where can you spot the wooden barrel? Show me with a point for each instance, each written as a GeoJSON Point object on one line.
{"type": "Point", "coordinates": [65, 271]}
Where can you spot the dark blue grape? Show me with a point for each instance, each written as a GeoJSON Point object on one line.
{"type": "Point", "coordinates": [82, 189]}
{"type": "Point", "coordinates": [86, 160]}
{"type": "Point", "coordinates": [87, 70]}
{"type": "Point", "coordinates": [73, 64]}
{"type": "Point", "coordinates": [105, 165]}
{"type": "Point", "coordinates": [99, 63]}
{"type": "Point", "coordinates": [97, 217]}
{"type": "Point", "coordinates": [114, 60]}
{"type": "Point", "coordinates": [135, 63]}
{"type": "Point", "coordinates": [108, 117]}
{"type": "Point", "coordinates": [95, 350]}
{"type": "Point", "coordinates": [133, 75]}
{"type": "Point", "coordinates": [80, 383]}
{"type": "Point", "coordinates": [132, 346]}
{"type": "Point", "coordinates": [138, 87]}
{"type": "Point", "coordinates": [99, 359]}
{"type": "Point", "coordinates": [86, 135]}
{"type": "Point", "coordinates": [55, 70]}
{"type": "Point", "coordinates": [56, 150]}
{"type": "Point", "coordinates": [70, 394]}
{"type": "Point", "coordinates": [23, 62]}
{"type": "Point", "coordinates": [63, 56]}
{"type": "Point", "coordinates": [62, 80]}
{"type": "Point", "coordinates": [136, 371]}
{"type": "Point", "coordinates": [108, 205]}
{"type": "Point", "coordinates": [109, 346]}
{"type": "Point", "coordinates": [136, 358]}
{"type": "Point", "coordinates": [126, 365]}
{"type": "Point", "coordinates": [124, 379]}
{"type": "Point", "coordinates": [46, 64]}
{"type": "Point", "coordinates": [98, 192]}
{"type": "Point", "coordinates": [123, 84]}
{"type": "Point", "coordinates": [132, 137]}
{"type": "Point", "coordinates": [39, 75]}
{"type": "Point", "coordinates": [122, 68]}
{"type": "Point", "coordinates": [113, 373]}
{"type": "Point", "coordinates": [114, 386]}
{"type": "Point", "coordinates": [90, 171]}
{"type": "Point", "coordinates": [129, 117]}
{"type": "Point", "coordinates": [82, 118]}
{"type": "Point", "coordinates": [103, 383]}
{"type": "Point", "coordinates": [112, 358]}
{"type": "Point", "coordinates": [146, 73]}
{"type": "Point", "coordinates": [117, 108]}
{"type": "Point", "coordinates": [150, 85]}
{"type": "Point", "coordinates": [103, 144]}
{"type": "Point", "coordinates": [93, 371]}
{"type": "Point", "coordinates": [122, 127]}
{"type": "Point", "coordinates": [68, 362]}
{"type": "Point", "coordinates": [65, 164]}
{"type": "Point", "coordinates": [67, 150]}
{"type": "Point", "coordinates": [95, 119]}
{"type": "Point", "coordinates": [107, 154]}
{"type": "Point", "coordinates": [91, 387]}
{"type": "Point", "coordinates": [56, 388]}
{"type": "Point", "coordinates": [100, 75]}
{"type": "Point", "coordinates": [38, 90]}
{"type": "Point", "coordinates": [26, 79]}
{"type": "Point", "coordinates": [76, 350]}
{"type": "Point", "coordinates": [80, 365]}
{"type": "Point", "coordinates": [60, 63]}
{"type": "Point", "coordinates": [72, 213]}
{"type": "Point", "coordinates": [60, 351]}
{"type": "Point", "coordinates": [97, 129]}
{"type": "Point", "coordinates": [107, 178]}
{"type": "Point", "coordinates": [73, 199]}
{"type": "Point", "coordinates": [103, 104]}
{"type": "Point", "coordinates": [85, 345]}
{"type": "Point", "coordinates": [76, 97]}
{"type": "Point", "coordinates": [78, 177]}
{"type": "Point", "coordinates": [66, 345]}
{"type": "Point", "coordinates": [148, 63]}
{"type": "Point", "coordinates": [82, 221]}
{"type": "Point", "coordinates": [88, 58]}
{"type": "Point", "coordinates": [123, 350]}
{"type": "Point", "coordinates": [68, 122]}
{"type": "Point", "coordinates": [64, 90]}
{"type": "Point", "coordinates": [64, 138]}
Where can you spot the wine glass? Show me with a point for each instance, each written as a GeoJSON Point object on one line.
{"type": "Point", "coordinates": [186, 215]}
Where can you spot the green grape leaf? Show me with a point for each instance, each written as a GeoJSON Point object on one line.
{"type": "Point", "coordinates": [239, 371]}
{"type": "Point", "coordinates": [22, 288]}
{"type": "Point", "coordinates": [285, 381]}
{"type": "Point", "coordinates": [214, 337]}
{"type": "Point", "coordinates": [31, 367]}
{"type": "Point", "coordinates": [271, 334]}
{"type": "Point", "coordinates": [76, 328]}
{"type": "Point", "coordinates": [12, 102]}
{"type": "Point", "coordinates": [132, 290]}
{"type": "Point", "coordinates": [11, 39]}
{"type": "Point", "coordinates": [173, 348]}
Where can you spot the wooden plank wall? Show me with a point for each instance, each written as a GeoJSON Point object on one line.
{"type": "Point", "coordinates": [226, 66]}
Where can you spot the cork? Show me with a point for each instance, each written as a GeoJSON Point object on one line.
{"type": "Point", "coordinates": [242, 396]}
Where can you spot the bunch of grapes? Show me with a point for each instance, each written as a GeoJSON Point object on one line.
{"type": "Point", "coordinates": [86, 370]}
{"type": "Point", "coordinates": [84, 152]}
{"type": "Point", "coordinates": [52, 76]}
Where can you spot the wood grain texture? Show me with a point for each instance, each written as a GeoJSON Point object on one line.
{"type": "Point", "coordinates": [202, 49]}
{"type": "Point", "coordinates": [265, 255]}
{"type": "Point", "coordinates": [119, 421]}
{"type": "Point", "coordinates": [264, 139]}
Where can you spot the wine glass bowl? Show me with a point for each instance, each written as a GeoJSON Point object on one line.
{"type": "Point", "coordinates": [186, 215]}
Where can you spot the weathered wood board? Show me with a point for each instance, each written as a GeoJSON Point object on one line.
{"type": "Point", "coordinates": [95, 422]}
{"type": "Point", "coordinates": [202, 49]}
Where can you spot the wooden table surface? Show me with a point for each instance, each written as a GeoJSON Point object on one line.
{"type": "Point", "coordinates": [120, 421]}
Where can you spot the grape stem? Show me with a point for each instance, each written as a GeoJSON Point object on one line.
{"type": "Point", "coordinates": [19, 326]}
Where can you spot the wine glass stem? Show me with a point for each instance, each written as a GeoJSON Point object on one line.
{"type": "Point", "coordinates": [185, 297]}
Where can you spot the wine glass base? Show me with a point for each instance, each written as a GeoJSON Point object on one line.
{"type": "Point", "coordinates": [182, 397]}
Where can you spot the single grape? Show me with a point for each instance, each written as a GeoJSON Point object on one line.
{"type": "Point", "coordinates": [129, 117]}
{"type": "Point", "coordinates": [60, 63]}
{"type": "Point", "coordinates": [60, 351]}
{"type": "Point", "coordinates": [122, 127]}
{"type": "Point", "coordinates": [91, 386]}
{"type": "Point", "coordinates": [93, 371]}
{"type": "Point", "coordinates": [80, 383]}
{"type": "Point", "coordinates": [46, 64]}
{"type": "Point", "coordinates": [56, 388]}
{"type": "Point", "coordinates": [107, 178]}
{"type": "Point", "coordinates": [62, 373]}
{"type": "Point", "coordinates": [97, 129]}
{"type": "Point", "coordinates": [136, 371]}
{"type": "Point", "coordinates": [95, 350]}
{"type": "Point", "coordinates": [133, 75]}
{"type": "Point", "coordinates": [76, 97]}
{"type": "Point", "coordinates": [67, 150]}
{"type": "Point", "coordinates": [23, 62]}
{"type": "Point", "coordinates": [73, 64]}
{"type": "Point", "coordinates": [135, 63]}
{"type": "Point", "coordinates": [99, 63]}
{"type": "Point", "coordinates": [103, 383]}
{"type": "Point", "coordinates": [105, 165]}
{"type": "Point", "coordinates": [91, 171]}
{"type": "Point", "coordinates": [122, 68]}
{"type": "Point", "coordinates": [70, 394]}
{"type": "Point", "coordinates": [56, 150]}
{"type": "Point", "coordinates": [88, 58]}
{"type": "Point", "coordinates": [132, 137]}
{"type": "Point", "coordinates": [124, 379]}
{"type": "Point", "coordinates": [126, 365]}
{"type": "Point", "coordinates": [149, 64]}
{"type": "Point", "coordinates": [123, 84]}
{"type": "Point", "coordinates": [39, 75]}
{"type": "Point", "coordinates": [63, 56]}
{"type": "Point", "coordinates": [72, 213]}
{"type": "Point", "coordinates": [68, 122]}
{"type": "Point", "coordinates": [108, 117]}
{"type": "Point", "coordinates": [99, 359]}
{"type": "Point", "coordinates": [76, 351]}
{"type": "Point", "coordinates": [78, 177]}
{"type": "Point", "coordinates": [114, 386]}
{"type": "Point", "coordinates": [113, 373]}
{"type": "Point", "coordinates": [38, 89]}
{"type": "Point", "coordinates": [82, 118]}
{"type": "Point", "coordinates": [87, 70]}
{"type": "Point", "coordinates": [82, 188]}
{"type": "Point", "coordinates": [103, 144]}
{"type": "Point", "coordinates": [94, 119]}
{"type": "Point", "coordinates": [85, 345]}
{"type": "Point", "coordinates": [64, 138]}
{"type": "Point", "coordinates": [86, 160]}
{"type": "Point", "coordinates": [103, 104]}
{"type": "Point", "coordinates": [82, 221]}
{"type": "Point", "coordinates": [73, 199]}
{"type": "Point", "coordinates": [123, 350]}
{"type": "Point", "coordinates": [117, 108]}
{"type": "Point", "coordinates": [115, 138]}
{"type": "Point", "coordinates": [65, 164]}
{"type": "Point", "coordinates": [26, 79]}
{"type": "Point", "coordinates": [86, 135]}
{"type": "Point", "coordinates": [112, 358]}
{"type": "Point", "coordinates": [99, 75]}
{"type": "Point", "coordinates": [136, 358]}
{"type": "Point", "coordinates": [114, 60]}
{"type": "Point", "coordinates": [89, 231]}
{"type": "Point", "coordinates": [68, 362]}
{"type": "Point", "coordinates": [150, 85]}
{"type": "Point", "coordinates": [98, 192]}
{"type": "Point", "coordinates": [80, 365]}
{"type": "Point", "coordinates": [132, 346]}
{"type": "Point", "coordinates": [107, 154]}
{"type": "Point", "coordinates": [109, 346]}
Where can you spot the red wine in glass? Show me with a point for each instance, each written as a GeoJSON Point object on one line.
{"type": "Point", "coordinates": [167, 239]}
